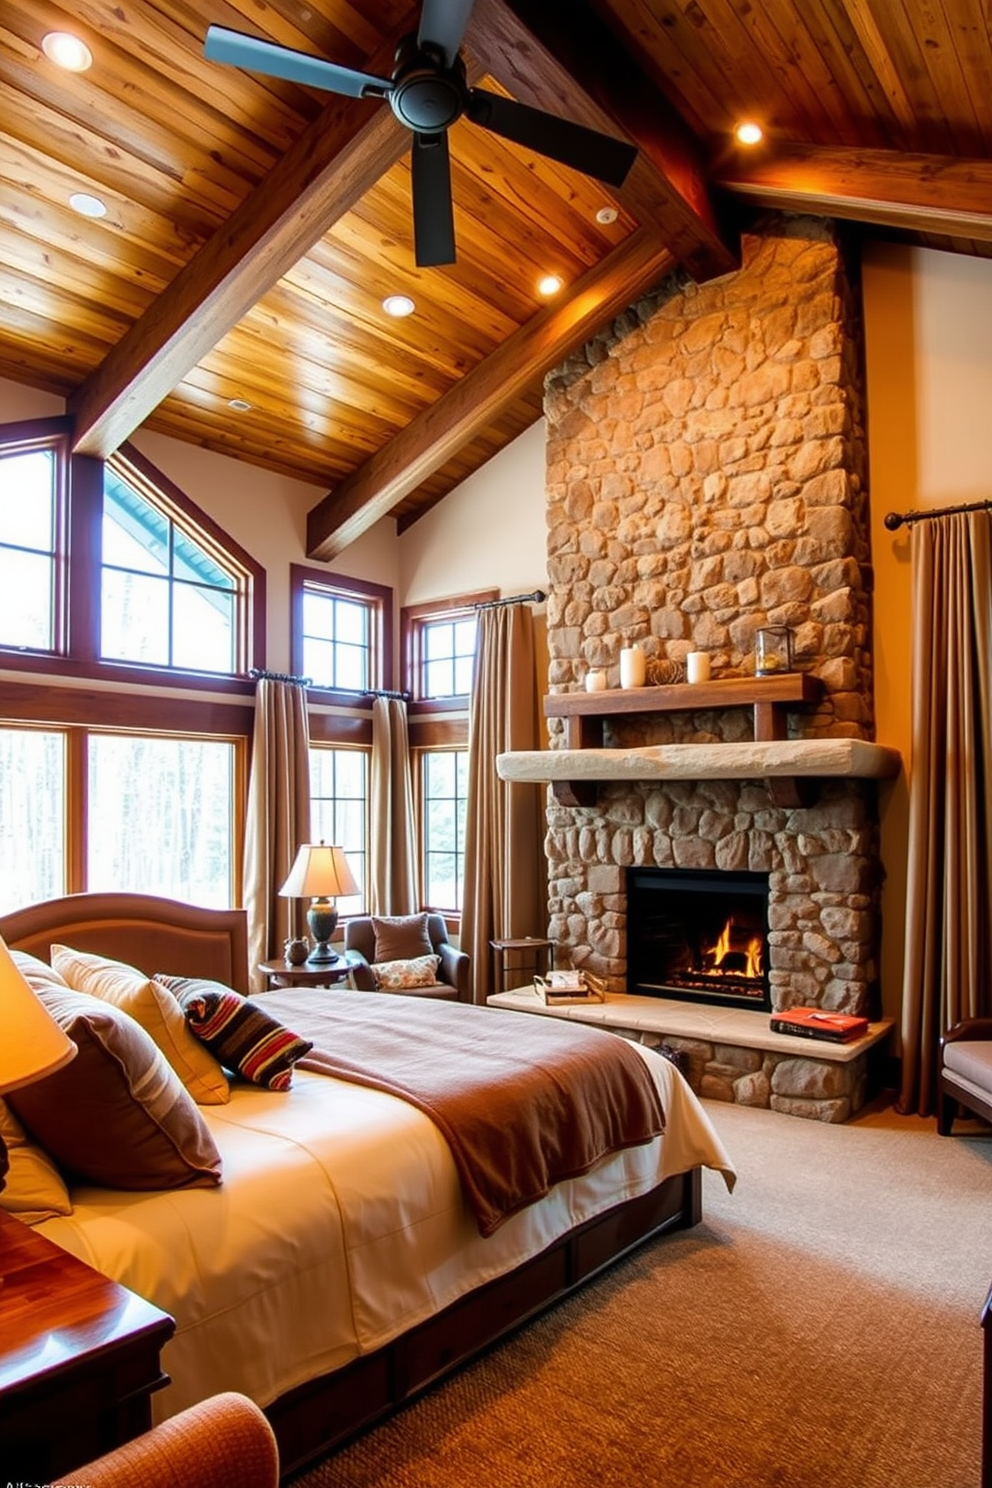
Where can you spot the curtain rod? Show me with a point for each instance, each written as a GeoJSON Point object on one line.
{"type": "Point", "coordinates": [259, 674]}
{"type": "Point", "coordinates": [387, 692]}
{"type": "Point", "coordinates": [894, 520]}
{"type": "Point", "coordinates": [538, 597]}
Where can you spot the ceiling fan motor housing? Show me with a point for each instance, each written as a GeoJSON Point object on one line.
{"type": "Point", "coordinates": [427, 96]}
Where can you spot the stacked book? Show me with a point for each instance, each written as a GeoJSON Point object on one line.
{"type": "Point", "coordinates": [562, 987]}
{"type": "Point", "coordinates": [814, 1023]}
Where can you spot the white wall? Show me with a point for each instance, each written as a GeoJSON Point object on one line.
{"type": "Point", "coordinates": [489, 533]}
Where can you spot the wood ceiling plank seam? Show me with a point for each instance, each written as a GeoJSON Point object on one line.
{"type": "Point", "coordinates": [90, 160]}
{"type": "Point", "coordinates": [426, 444]}
{"type": "Point", "coordinates": [856, 17]}
{"type": "Point", "coordinates": [67, 236]}
{"type": "Point", "coordinates": [672, 68]}
{"type": "Point", "coordinates": [782, 34]}
{"type": "Point", "coordinates": [870, 119]}
{"type": "Point", "coordinates": [33, 257]}
{"type": "Point", "coordinates": [951, 82]}
{"type": "Point", "coordinates": [970, 31]}
{"type": "Point", "coordinates": [262, 426]}
{"type": "Point", "coordinates": [666, 187]}
{"type": "Point", "coordinates": [136, 71]}
{"type": "Point", "coordinates": [931, 134]}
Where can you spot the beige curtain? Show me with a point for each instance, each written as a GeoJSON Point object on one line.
{"type": "Point", "coordinates": [505, 869]}
{"type": "Point", "coordinates": [948, 969]}
{"type": "Point", "coordinates": [278, 816]}
{"type": "Point", "coordinates": [393, 861]}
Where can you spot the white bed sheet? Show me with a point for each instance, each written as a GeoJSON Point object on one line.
{"type": "Point", "coordinates": [339, 1224]}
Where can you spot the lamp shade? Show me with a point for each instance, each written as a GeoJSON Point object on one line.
{"type": "Point", "coordinates": [319, 872]}
{"type": "Point", "coordinates": [31, 1042]}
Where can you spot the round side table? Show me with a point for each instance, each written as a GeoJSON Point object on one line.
{"type": "Point", "coordinates": [321, 974]}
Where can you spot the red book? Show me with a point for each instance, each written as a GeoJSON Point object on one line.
{"type": "Point", "coordinates": [835, 1028]}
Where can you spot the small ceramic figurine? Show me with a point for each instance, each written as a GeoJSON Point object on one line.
{"type": "Point", "coordinates": [296, 950]}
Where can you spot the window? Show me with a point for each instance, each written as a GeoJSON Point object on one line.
{"type": "Point", "coordinates": [169, 597]}
{"type": "Point", "coordinates": [31, 507]}
{"type": "Point", "coordinates": [147, 813]}
{"type": "Point", "coordinates": [32, 816]}
{"type": "Point", "coordinates": [340, 631]}
{"type": "Point", "coordinates": [444, 786]}
{"type": "Point", "coordinates": [105, 566]}
{"type": "Point", "coordinates": [162, 811]}
{"type": "Point", "coordinates": [164, 599]}
{"type": "Point", "coordinates": [339, 811]}
{"type": "Point", "coordinates": [439, 647]}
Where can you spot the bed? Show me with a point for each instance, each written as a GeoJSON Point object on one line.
{"type": "Point", "coordinates": [338, 1270]}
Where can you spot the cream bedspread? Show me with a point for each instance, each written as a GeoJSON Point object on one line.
{"type": "Point", "coordinates": [340, 1223]}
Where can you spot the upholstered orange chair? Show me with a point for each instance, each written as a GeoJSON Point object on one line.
{"type": "Point", "coordinates": [223, 1442]}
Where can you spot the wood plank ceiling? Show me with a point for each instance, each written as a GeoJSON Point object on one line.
{"type": "Point", "coordinates": [254, 227]}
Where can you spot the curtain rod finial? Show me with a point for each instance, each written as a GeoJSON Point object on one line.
{"type": "Point", "coordinates": [893, 521]}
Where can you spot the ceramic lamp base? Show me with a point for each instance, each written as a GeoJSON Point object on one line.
{"type": "Point", "coordinates": [322, 917]}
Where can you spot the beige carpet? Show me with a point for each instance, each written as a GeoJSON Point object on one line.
{"type": "Point", "coordinates": [819, 1329]}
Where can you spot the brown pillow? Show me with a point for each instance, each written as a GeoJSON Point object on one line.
{"type": "Point", "coordinates": [117, 1115]}
{"type": "Point", "coordinates": [401, 937]}
{"type": "Point", "coordinates": [155, 1009]}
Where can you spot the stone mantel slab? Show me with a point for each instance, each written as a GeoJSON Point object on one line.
{"type": "Point", "coordinates": [779, 758]}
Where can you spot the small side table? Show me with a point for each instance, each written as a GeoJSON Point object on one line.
{"type": "Point", "coordinates": [79, 1358]}
{"type": "Point", "coordinates": [518, 961]}
{"type": "Point", "coordinates": [326, 974]}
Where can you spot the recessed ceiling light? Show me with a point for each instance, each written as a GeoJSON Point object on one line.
{"type": "Point", "coordinates": [67, 51]}
{"type": "Point", "coordinates": [240, 405]}
{"type": "Point", "coordinates": [749, 133]}
{"type": "Point", "coordinates": [398, 305]}
{"type": "Point", "coordinates": [86, 205]}
{"type": "Point", "coordinates": [606, 215]}
{"type": "Point", "coordinates": [549, 285]}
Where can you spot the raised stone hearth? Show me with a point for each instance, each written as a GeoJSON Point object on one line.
{"type": "Point", "coordinates": [706, 477]}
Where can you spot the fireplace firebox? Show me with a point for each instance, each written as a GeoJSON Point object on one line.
{"type": "Point", "coordinates": [698, 936]}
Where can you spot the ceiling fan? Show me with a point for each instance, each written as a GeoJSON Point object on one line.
{"type": "Point", "coordinates": [428, 92]}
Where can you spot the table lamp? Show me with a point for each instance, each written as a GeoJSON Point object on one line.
{"type": "Point", "coordinates": [322, 874]}
{"type": "Point", "coordinates": [32, 1044]}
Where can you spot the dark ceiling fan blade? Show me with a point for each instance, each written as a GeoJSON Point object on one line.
{"type": "Point", "coordinates": [442, 25]}
{"type": "Point", "coordinates": [249, 52]}
{"type": "Point", "coordinates": [433, 217]}
{"type": "Point", "coordinates": [571, 144]}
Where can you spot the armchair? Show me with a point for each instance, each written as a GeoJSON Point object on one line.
{"type": "Point", "coordinates": [222, 1442]}
{"type": "Point", "coordinates": [965, 1071]}
{"type": "Point", "coordinates": [453, 974]}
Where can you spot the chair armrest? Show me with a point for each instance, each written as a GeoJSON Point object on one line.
{"type": "Point", "coordinates": [361, 974]}
{"type": "Point", "coordinates": [223, 1439]}
{"type": "Point", "coordinates": [456, 970]}
{"type": "Point", "coordinates": [968, 1028]}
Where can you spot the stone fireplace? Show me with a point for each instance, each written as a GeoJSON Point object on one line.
{"type": "Point", "coordinates": [707, 477]}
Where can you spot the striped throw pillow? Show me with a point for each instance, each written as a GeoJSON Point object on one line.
{"type": "Point", "coordinates": [238, 1032]}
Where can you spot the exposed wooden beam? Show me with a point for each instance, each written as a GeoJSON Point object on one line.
{"type": "Point", "coordinates": [426, 443]}
{"type": "Point", "coordinates": [559, 56]}
{"type": "Point", "coordinates": [332, 164]}
{"type": "Point", "coordinates": [921, 193]}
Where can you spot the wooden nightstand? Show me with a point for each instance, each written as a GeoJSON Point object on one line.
{"type": "Point", "coordinates": [281, 974]}
{"type": "Point", "coordinates": [79, 1358]}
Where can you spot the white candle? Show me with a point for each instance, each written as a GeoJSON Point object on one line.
{"type": "Point", "coordinates": [595, 681]}
{"type": "Point", "coordinates": [633, 667]}
{"type": "Point", "coordinates": [697, 666]}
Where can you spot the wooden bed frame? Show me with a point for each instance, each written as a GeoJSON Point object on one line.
{"type": "Point", "coordinates": [162, 935]}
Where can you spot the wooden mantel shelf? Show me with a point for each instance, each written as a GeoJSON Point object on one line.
{"type": "Point", "coordinates": [770, 697]}
{"type": "Point", "coordinates": [788, 765]}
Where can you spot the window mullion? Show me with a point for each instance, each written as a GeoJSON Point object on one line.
{"type": "Point", "coordinates": [77, 814]}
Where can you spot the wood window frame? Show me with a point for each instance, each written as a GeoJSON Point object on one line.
{"type": "Point", "coordinates": [378, 597]}
{"type": "Point", "coordinates": [413, 619]}
{"type": "Point", "coordinates": [79, 556]}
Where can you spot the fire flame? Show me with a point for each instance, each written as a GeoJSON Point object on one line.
{"type": "Point", "coordinates": [752, 951]}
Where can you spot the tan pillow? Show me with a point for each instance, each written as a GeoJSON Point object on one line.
{"type": "Point", "coordinates": [158, 1012]}
{"type": "Point", "coordinates": [117, 1115]}
{"type": "Point", "coordinates": [34, 1189]}
{"type": "Point", "coordinates": [401, 937]}
{"type": "Point", "coordinates": [395, 976]}
{"type": "Point", "coordinates": [37, 973]}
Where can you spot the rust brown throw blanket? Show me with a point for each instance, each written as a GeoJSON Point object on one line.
{"type": "Point", "coordinates": [523, 1102]}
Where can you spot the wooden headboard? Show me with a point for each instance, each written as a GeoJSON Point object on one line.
{"type": "Point", "coordinates": [144, 931]}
